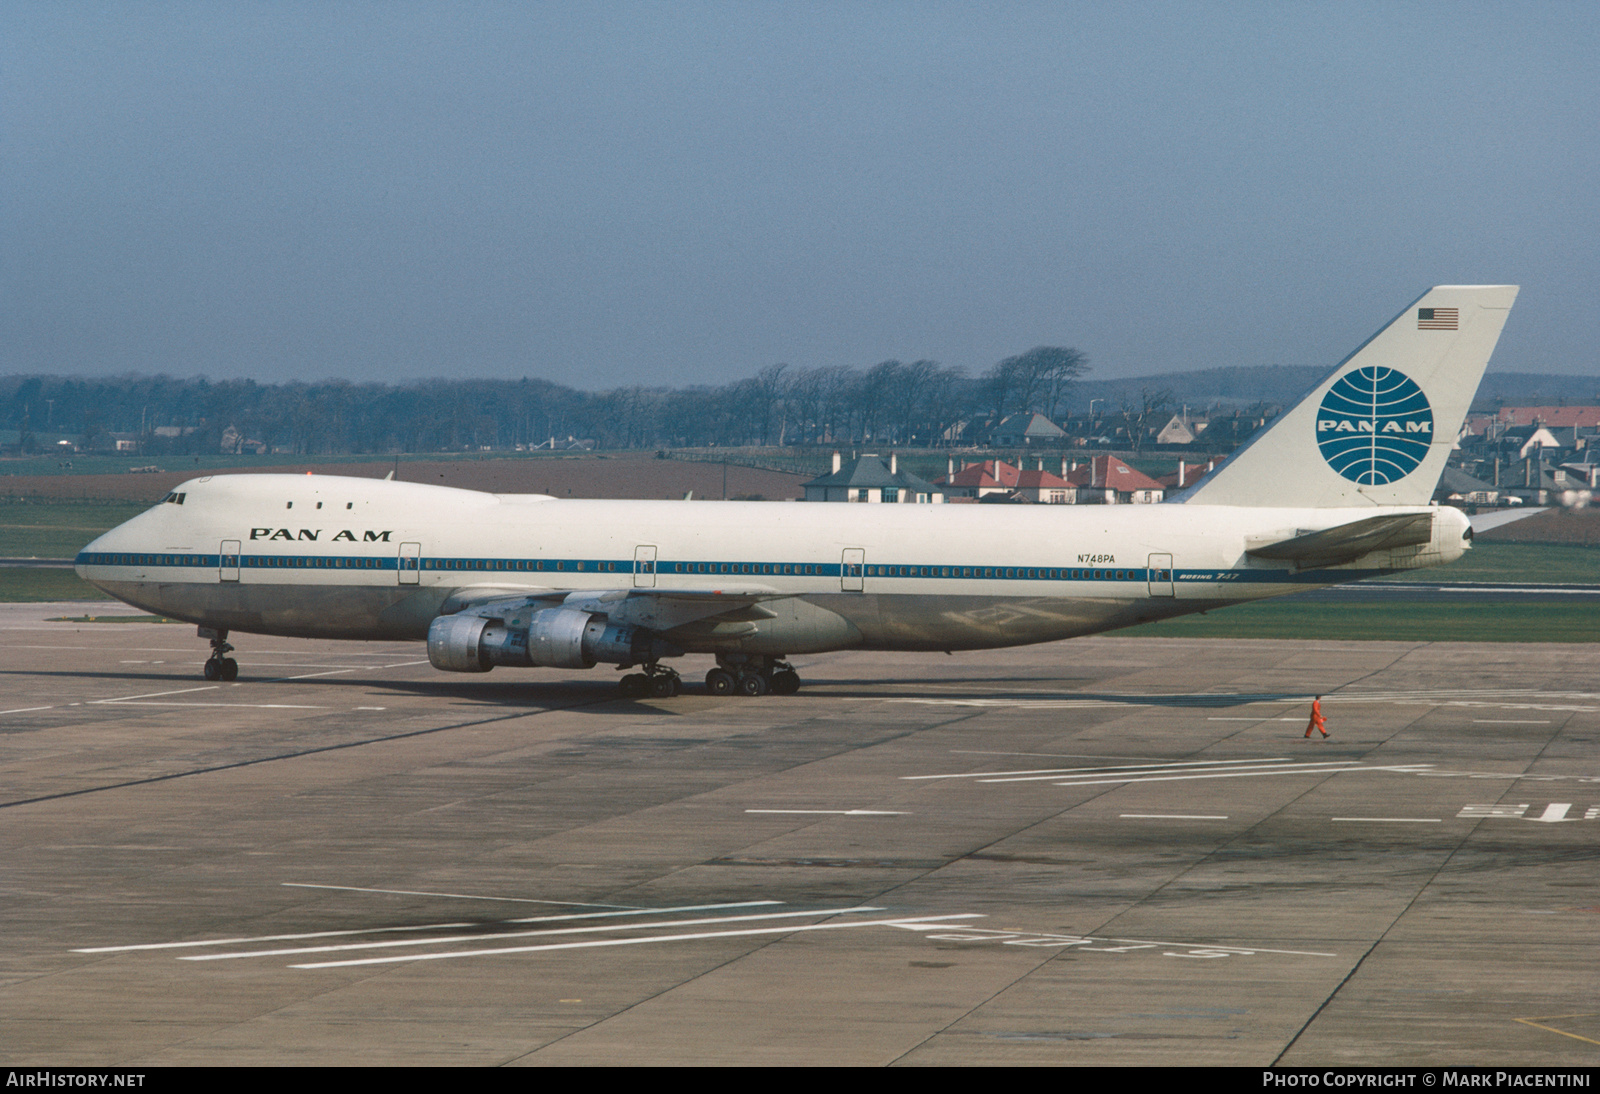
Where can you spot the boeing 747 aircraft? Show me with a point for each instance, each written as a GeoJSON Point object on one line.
{"type": "Point", "coordinates": [1336, 489]}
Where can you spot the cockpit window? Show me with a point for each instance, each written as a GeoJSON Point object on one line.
{"type": "Point", "coordinates": [174, 499]}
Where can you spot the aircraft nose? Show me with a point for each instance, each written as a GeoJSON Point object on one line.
{"type": "Point", "coordinates": [98, 545]}
{"type": "Point", "coordinates": [105, 543]}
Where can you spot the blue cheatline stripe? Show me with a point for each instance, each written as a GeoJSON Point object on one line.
{"type": "Point", "coordinates": [248, 562]}
{"type": "Point", "coordinates": [625, 567]}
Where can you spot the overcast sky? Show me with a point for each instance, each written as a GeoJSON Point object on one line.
{"type": "Point", "coordinates": [675, 193]}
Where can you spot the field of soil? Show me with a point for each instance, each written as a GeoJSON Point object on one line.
{"type": "Point", "coordinates": [624, 475]}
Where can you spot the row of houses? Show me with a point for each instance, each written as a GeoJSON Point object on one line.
{"type": "Point", "coordinates": [1030, 429]}
{"type": "Point", "coordinates": [1107, 480]}
{"type": "Point", "coordinates": [1100, 480]}
{"type": "Point", "coordinates": [1531, 481]}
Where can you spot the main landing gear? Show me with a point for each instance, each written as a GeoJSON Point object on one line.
{"type": "Point", "coordinates": [219, 666]}
{"type": "Point", "coordinates": [655, 682]}
{"type": "Point", "coordinates": [752, 675]}
{"type": "Point", "coordinates": [735, 674]}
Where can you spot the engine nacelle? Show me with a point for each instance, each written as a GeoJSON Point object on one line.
{"type": "Point", "coordinates": [554, 637]}
{"type": "Point", "coordinates": [455, 644]}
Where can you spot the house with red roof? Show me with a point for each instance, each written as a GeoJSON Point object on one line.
{"type": "Point", "coordinates": [978, 480]}
{"type": "Point", "coordinates": [996, 479]}
{"type": "Point", "coordinates": [1187, 474]}
{"type": "Point", "coordinates": [1106, 480]}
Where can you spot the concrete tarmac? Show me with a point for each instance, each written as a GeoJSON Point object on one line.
{"type": "Point", "coordinates": [1107, 851]}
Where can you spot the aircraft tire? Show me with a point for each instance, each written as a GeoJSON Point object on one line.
{"type": "Point", "coordinates": [213, 669]}
{"type": "Point", "coordinates": [786, 682]}
{"type": "Point", "coordinates": [719, 682]}
{"type": "Point", "coordinates": [752, 685]}
{"type": "Point", "coordinates": [230, 669]}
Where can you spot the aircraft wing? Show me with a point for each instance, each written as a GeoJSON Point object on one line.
{"type": "Point", "coordinates": [1348, 542]}
{"type": "Point", "coordinates": [661, 610]}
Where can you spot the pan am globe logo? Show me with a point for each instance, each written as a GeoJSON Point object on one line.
{"type": "Point", "coordinates": [1374, 426]}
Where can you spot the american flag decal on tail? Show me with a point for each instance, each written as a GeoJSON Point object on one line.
{"type": "Point", "coordinates": [1437, 318]}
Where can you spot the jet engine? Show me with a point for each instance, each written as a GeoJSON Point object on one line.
{"type": "Point", "coordinates": [554, 637]}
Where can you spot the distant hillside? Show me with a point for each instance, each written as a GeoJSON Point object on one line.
{"type": "Point", "coordinates": [1239, 386]}
{"type": "Point", "coordinates": [1536, 389]}
{"type": "Point", "coordinates": [1283, 384]}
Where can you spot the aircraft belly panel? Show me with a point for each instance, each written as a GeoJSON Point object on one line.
{"type": "Point", "coordinates": [362, 612]}
{"type": "Point", "coordinates": [911, 622]}
{"type": "Point", "coordinates": [798, 624]}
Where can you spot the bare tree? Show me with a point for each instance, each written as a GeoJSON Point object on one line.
{"type": "Point", "coordinates": [770, 388]}
{"type": "Point", "coordinates": [1036, 380]}
{"type": "Point", "coordinates": [1151, 404]}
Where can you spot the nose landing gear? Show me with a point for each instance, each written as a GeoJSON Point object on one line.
{"type": "Point", "coordinates": [219, 666]}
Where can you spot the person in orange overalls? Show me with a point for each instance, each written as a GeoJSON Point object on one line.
{"type": "Point", "coordinates": [1318, 722]}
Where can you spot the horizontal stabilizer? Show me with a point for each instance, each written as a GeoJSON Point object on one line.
{"type": "Point", "coordinates": [1348, 542]}
{"type": "Point", "coordinates": [1482, 522]}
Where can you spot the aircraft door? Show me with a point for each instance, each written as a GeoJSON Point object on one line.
{"type": "Point", "coordinates": [851, 567]}
{"type": "Point", "coordinates": [410, 563]}
{"type": "Point", "coordinates": [1161, 576]}
{"type": "Point", "coordinates": [228, 561]}
{"type": "Point", "coordinates": [644, 566]}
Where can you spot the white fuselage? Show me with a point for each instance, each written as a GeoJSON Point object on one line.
{"type": "Point", "coordinates": [326, 556]}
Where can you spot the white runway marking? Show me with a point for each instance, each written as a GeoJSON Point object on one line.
{"type": "Point", "coordinates": [334, 672]}
{"type": "Point", "coordinates": [475, 896]}
{"type": "Point", "coordinates": [1493, 810]}
{"type": "Point", "coordinates": [231, 706]}
{"type": "Point", "coordinates": [157, 694]}
{"type": "Point", "coordinates": [1049, 755]}
{"type": "Point", "coordinates": [1171, 816]}
{"type": "Point", "coordinates": [1546, 589]}
{"type": "Point", "coordinates": [1243, 773]}
{"type": "Point", "coordinates": [1511, 775]}
{"type": "Point", "coordinates": [24, 710]}
{"type": "Point", "coordinates": [1029, 704]}
{"type": "Point", "coordinates": [610, 928]}
{"type": "Point", "coordinates": [788, 929]}
{"type": "Point", "coordinates": [445, 940]}
{"type": "Point", "coordinates": [1510, 721]}
{"type": "Point", "coordinates": [1388, 820]}
{"type": "Point", "coordinates": [265, 938]}
{"type": "Point", "coordinates": [418, 927]}
{"type": "Point", "coordinates": [1054, 771]}
{"type": "Point", "coordinates": [1176, 772]}
{"type": "Point", "coordinates": [836, 812]}
{"type": "Point", "coordinates": [1508, 699]}
{"type": "Point", "coordinates": [1095, 943]}
{"type": "Point", "coordinates": [1554, 812]}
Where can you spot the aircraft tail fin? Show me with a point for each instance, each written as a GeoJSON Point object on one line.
{"type": "Point", "coordinates": [1378, 429]}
